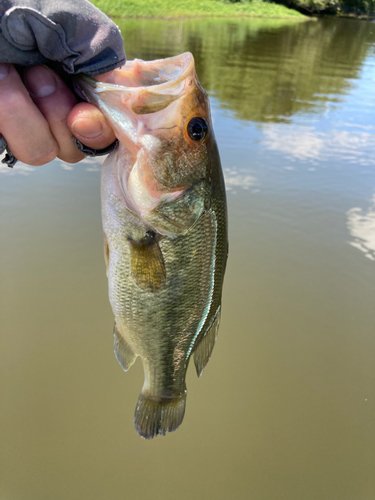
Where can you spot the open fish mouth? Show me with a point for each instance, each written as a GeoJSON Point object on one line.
{"type": "Point", "coordinates": [133, 99]}
{"type": "Point", "coordinates": [160, 77]}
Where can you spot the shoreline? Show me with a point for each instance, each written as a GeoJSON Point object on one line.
{"type": "Point", "coordinates": [168, 10]}
{"type": "Point", "coordinates": [304, 17]}
{"type": "Point", "coordinates": [186, 9]}
{"type": "Point", "coordinates": [210, 16]}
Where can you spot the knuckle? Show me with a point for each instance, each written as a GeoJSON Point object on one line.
{"type": "Point", "coordinates": [13, 102]}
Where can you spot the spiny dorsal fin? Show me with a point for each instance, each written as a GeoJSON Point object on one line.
{"type": "Point", "coordinates": [205, 347]}
{"type": "Point", "coordinates": [147, 264]}
{"type": "Point", "coordinates": [124, 354]}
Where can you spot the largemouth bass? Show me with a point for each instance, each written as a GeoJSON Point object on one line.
{"type": "Point", "coordinates": [165, 228]}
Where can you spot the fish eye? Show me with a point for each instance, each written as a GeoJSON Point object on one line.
{"type": "Point", "coordinates": [197, 128]}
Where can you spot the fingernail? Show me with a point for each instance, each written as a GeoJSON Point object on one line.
{"type": "Point", "coordinates": [4, 70]}
{"type": "Point", "coordinates": [86, 127]}
{"type": "Point", "coordinates": [40, 81]}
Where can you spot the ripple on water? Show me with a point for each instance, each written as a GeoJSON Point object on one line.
{"type": "Point", "coordinates": [361, 225]}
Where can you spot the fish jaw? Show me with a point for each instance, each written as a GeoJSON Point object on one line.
{"type": "Point", "coordinates": [126, 94]}
{"type": "Point", "coordinates": [109, 99]}
{"type": "Point", "coordinates": [149, 105]}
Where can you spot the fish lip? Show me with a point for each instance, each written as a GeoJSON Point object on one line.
{"type": "Point", "coordinates": [96, 86]}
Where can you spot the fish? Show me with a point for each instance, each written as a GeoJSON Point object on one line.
{"type": "Point", "coordinates": [164, 216]}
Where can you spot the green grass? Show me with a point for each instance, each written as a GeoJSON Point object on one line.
{"type": "Point", "coordinates": [171, 9]}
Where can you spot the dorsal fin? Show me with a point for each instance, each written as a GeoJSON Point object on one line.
{"type": "Point", "coordinates": [205, 347]}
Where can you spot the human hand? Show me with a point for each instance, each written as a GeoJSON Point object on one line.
{"type": "Point", "coordinates": [40, 115]}
{"type": "Point", "coordinates": [37, 110]}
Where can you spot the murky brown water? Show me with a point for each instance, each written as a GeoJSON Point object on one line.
{"type": "Point", "coordinates": [286, 406]}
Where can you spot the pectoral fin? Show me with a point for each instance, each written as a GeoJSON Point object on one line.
{"type": "Point", "coordinates": [205, 347]}
{"type": "Point", "coordinates": [124, 354]}
{"type": "Point", "coordinates": [147, 265]}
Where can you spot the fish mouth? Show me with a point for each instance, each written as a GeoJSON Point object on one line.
{"type": "Point", "coordinates": [161, 73]}
{"type": "Point", "coordinates": [162, 76]}
{"type": "Point", "coordinates": [130, 97]}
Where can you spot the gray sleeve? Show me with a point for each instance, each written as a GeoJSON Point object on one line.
{"type": "Point", "coordinates": [73, 33]}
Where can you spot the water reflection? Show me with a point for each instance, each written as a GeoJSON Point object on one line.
{"type": "Point", "coordinates": [265, 71]}
{"type": "Point", "coordinates": [361, 225]}
{"type": "Point", "coordinates": [87, 164]}
{"type": "Point", "coordinates": [237, 179]}
{"type": "Point", "coordinates": [308, 143]}
{"type": "Point", "coordinates": [21, 169]}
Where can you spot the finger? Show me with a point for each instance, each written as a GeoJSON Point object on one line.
{"type": "Point", "coordinates": [55, 101]}
{"type": "Point", "coordinates": [89, 126]}
{"type": "Point", "coordinates": [21, 123]}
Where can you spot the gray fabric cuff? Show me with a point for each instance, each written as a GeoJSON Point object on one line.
{"type": "Point", "coordinates": [73, 33]}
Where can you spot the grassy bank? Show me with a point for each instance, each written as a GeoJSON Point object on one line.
{"type": "Point", "coordinates": [170, 9]}
{"type": "Point", "coordinates": [351, 8]}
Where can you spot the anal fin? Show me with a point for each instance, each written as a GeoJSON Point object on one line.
{"type": "Point", "coordinates": [205, 347]}
{"type": "Point", "coordinates": [147, 264]}
{"type": "Point", "coordinates": [124, 354]}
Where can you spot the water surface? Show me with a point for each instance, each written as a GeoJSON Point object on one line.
{"type": "Point", "coordinates": [286, 406]}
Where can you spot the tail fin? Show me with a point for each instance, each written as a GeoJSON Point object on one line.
{"type": "Point", "coordinates": [155, 416]}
